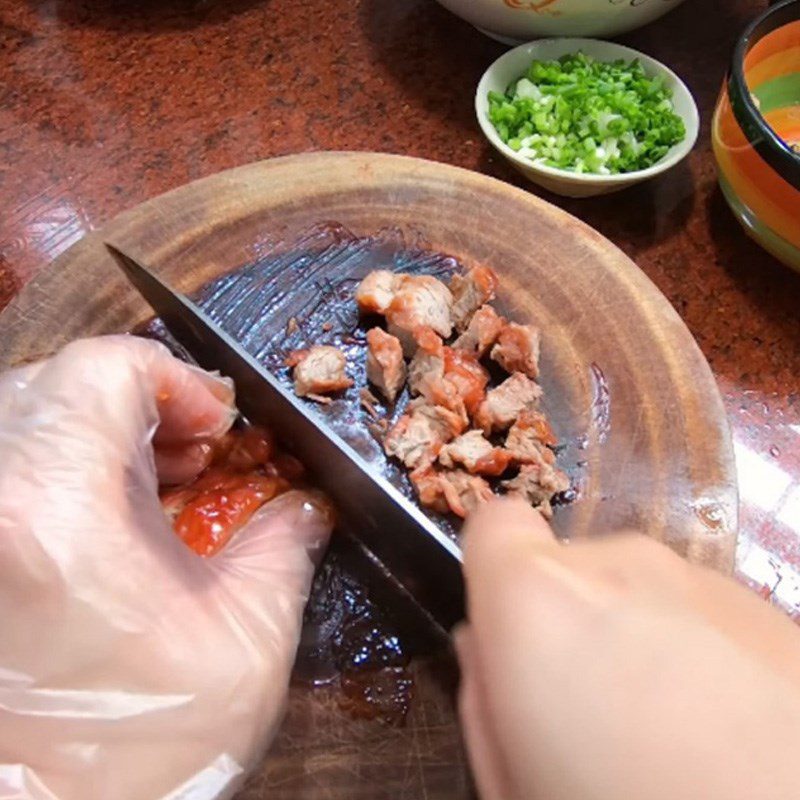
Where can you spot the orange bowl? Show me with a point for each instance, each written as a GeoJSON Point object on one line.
{"type": "Point", "coordinates": [756, 120]}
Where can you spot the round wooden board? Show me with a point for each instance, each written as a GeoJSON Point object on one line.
{"type": "Point", "coordinates": [625, 383]}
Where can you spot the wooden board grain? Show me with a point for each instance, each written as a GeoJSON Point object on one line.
{"type": "Point", "coordinates": [628, 389]}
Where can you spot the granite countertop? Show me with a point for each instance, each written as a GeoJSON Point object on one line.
{"type": "Point", "coordinates": [105, 103]}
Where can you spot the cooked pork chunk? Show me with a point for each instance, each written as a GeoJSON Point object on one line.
{"type": "Point", "coordinates": [409, 302]}
{"type": "Point", "coordinates": [464, 492]}
{"type": "Point", "coordinates": [536, 484]}
{"type": "Point", "coordinates": [376, 291]}
{"type": "Point", "coordinates": [476, 454]}
{"type": "Point", "coordinates": [426, 369]}
{"type": "Point", "coordinates": [506, 402]}
{"type": "Point", "coordinates": [421, 301]}
{"type": "Point", "coordinates": [529, 437]}
{"type": "Point", "coordinates": [428, 485]}
{"type": "Point", "coordinates": [318, 371]}
{"type": "Point", "coordinates": [419, 435]}
{"type": "Point", "coordinates": [470, 292]}
{"type": "Point", "coordinates": [450, 490]}
{"type": "Point", "coordinates": [517, 349]}
{"type": "Point", "coordinates": [481, 333]}
{"type": "Point", "coordinates": [446, 377]}
{"type": "Point", "coordinates": [467, 377]}
{"type": "Point", "coordinates": [385, 366]}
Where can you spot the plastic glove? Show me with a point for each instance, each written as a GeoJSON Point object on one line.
{"type": "Point", "coordinates": [129, 666]}
{"type": "Point", "coordinates": [611, 669]}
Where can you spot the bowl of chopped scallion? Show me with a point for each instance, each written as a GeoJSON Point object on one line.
{"type": "Point", "coordinates": [582, 117]}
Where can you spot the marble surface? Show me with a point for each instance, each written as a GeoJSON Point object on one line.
{"type": "Point", "coordinates": [105, 103]}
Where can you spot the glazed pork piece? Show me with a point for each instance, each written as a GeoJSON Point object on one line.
{"type": "Point", "coordinates": [444, 376]}
{"type": "Point", "coordinates": [536, 484]}
{"type": "Point", "coordinates": [455, 491]}
{"type": "Point", "coordinates": [530, 438]}
{"type": "Point", "coordinates": [470, 292]}
{"type": "Point", "coordinates": [246, 470]}
{"type": "Point", "coordinates": [504, 404]}
{"type": "Point", "coordinates": [475, 453]}
{"type": "Point", "coordinates": [385, 366]}
{"type": "Point", "coordinates": [375, 293]}
{"type": "Point", "coordinates": [481, 333]}
{"type": "Point", "coordinates": [418, 436]}
{"type": "Point", "coordinates": [426, 369]}
{"type": "Point", "coordinates": [428, 487]}
{"type": "Point", "coordinates": [467, 378]}
{"type": "Point", "coordinates": [318, 371]}
{"type": "Point", "coordinates": [464, 492]}
{"type": "Point", "coordinates": [421, 301]}
{"type": "Point", "coordinates": [528, 443]}
{"type": "Point", "coordinates": [517, 349]}
{"type": "Point", "coordinates": [409, 302]}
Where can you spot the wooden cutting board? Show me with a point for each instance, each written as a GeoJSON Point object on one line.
{"type": "Point", "coordinates": [628, 390]}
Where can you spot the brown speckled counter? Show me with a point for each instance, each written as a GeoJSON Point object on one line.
{"type": "Point", "coordinates": [105, 103]}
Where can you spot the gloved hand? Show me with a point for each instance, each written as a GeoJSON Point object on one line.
{"type": "Point", "coordinates": [130, 667]}
{"type": "Point", "coordinates": [611, 669]}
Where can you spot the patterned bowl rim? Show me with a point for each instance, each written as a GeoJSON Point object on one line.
{"type": "Point", "coordinates": [760, 135]}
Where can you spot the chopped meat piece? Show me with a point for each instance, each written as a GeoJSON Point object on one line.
{"type": "Point", "coordinates": [476, 454]}
{"type": "Point", "coordinates": [421, 301]}
{"type": "Point", "coordinates": [536, 484]}
{"type": "Point", "coordinates": [292, 326]}
{"type": "Point", "coordinates": [463, 372]}
{"type": "Point", "coordinates": [426, 370]}
{"type": "Point", "coordinates": [368, 402]}
{"type": "Point", "coordinates": [506, 402]}
{"type": "Point", "coordinates": [447, 490]}
{"type": "Point", "coordinates": [530, 438]}
{"type": "Point", "coordinates": [517, 349]}
{"type": "Point", "coordinates": [409, 302]}
{"type": "Point", "coordinates": [427, 374]}
{"type": "Point", "coordinates": [385, 366]}
{"type": "Point", "coordinates": [481, 333]}
{"type": "Point", "coordinates": [376, 292]}
{"type": "Point", "coordinates": [470, 292]}
{"type": "Point", "coordinates": [207, 512]}
{"type": "Point", "coordinates": [419, 435]}
{"type": "Point", "coordinates": [464, 492]}
{"type": "Point", "coordinates": [318, 371]}
{"type": "Point", "coordinates": [327, 326]}
{"type": "Point", "coordinates": [446, 377]}
{"type": "Point", "coordinates": [246, 471]}
{"type": "Point", "coordinates": [454, 420]}
{"type": "Point", "coordinates": [552, 479]}
{"type": "Point", "coordinates": [428, 486]}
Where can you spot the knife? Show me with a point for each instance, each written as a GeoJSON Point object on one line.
{"type": "Point", "coordinates": [403, 540]}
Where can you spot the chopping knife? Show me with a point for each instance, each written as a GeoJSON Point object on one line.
{"type": "Point", "coordinates": [417, 554]}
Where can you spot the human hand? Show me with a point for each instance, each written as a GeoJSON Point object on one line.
{"type": "Point", "coordinates": [611, 668]}
{"type": "Point", "coordinates": [131, 668]}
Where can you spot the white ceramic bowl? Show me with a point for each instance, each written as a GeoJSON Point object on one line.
{"type": "Point", "coordinates": [514, 21]}
{"type": "Point", "coordinates": [513, 65]}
